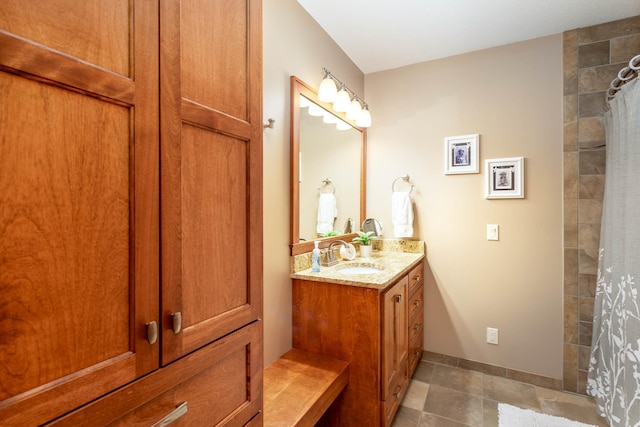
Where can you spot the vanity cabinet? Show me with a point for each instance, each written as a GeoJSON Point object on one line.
{"type": "Point", "coordinates": [367, 327]}
{"type": "Point", "coordinates": [130, 227]}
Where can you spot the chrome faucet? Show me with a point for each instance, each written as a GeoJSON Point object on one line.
{"type": "Point", "coordinates": [329, 257]}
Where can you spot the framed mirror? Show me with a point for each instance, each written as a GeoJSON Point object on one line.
{"type": "Point", "coordinates": [328, 171]}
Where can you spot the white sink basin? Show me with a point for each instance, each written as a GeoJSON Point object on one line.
{"type": "Point", "coordinates": [360, 269]}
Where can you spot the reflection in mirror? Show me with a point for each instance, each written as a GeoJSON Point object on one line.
{"type": "Point", "coordinates": [327, 153]}
{"type": "Point", "coordinates": [327, 171]}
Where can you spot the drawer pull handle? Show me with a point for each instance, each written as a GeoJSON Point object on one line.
{"type": "Point", "coordinates": [416, 302]}
{"type": "Point", "coordinates": [180, 410]}
{"type": "Point", "coordinates": [176, 320]}
{"type": "Point", "coordinates": [399, 298]}
{"type": "Point", "coordinates": [398, 392]}
{"type": "Point", "coordinates": [417, 278]}
{"type": "Point", "coordinates": [152, 332]}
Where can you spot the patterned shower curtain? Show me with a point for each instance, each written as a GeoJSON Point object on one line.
{"type": "Point", "coordinates": [614, 365]}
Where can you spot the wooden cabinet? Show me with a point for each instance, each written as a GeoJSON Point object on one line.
{"type": "Point", "coordinates": [130, 219]}
{"type": "Point", "coordinates": [395, 348]}
{"type": "Point", "coordinates": [416, 317]}
{"type": "Point", "coordinates": [367, 327]}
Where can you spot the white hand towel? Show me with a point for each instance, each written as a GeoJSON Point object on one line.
{"type": "Point", "coordinates": [327, 212]}
{"type": "Point", "coordinates": [402, 214]}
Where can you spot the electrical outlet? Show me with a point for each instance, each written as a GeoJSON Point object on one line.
{"type": "Point", "coordinates": [492, 336]}
{"type": "Point", "coordinates": [492, 231]}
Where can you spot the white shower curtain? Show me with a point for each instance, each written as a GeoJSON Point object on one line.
{"type": "Point", "coordinates": [614, 365]}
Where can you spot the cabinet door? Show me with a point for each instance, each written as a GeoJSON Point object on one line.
{"type": "Point", "coordinates": [395, 336]}
{"type": "Point", "coordinates": [78, 202]}
{"type": "Point", "coordinates": [211, 144]}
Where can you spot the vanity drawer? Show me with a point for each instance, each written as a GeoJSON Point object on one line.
{"type": "Point", "coordinates": [415, 353]}
{"type": "Point", "coordinates": [395, 395]}
{"type": "Point", "coordinates": [416, 278]}
{"type": "Point", "coordinates": [219, 384]}
{"type": "Point", "coordinates": [416, 304]}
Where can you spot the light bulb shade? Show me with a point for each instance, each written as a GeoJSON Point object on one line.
{"type": "Point", "coordinates": [329, 118]}
{"type": "Point", "coordinates": [342, 101]}
{"type": "Point", "coordinates": [327, 90]}
{"type": "Point", "coordinates": [304, 102]}
{"type": "Point", "coordinates": [343, 125]}
{"type": "Point", "coordinates": [355, 109]}
{"type": "Point", "coordinates": [316, 110]}
{"type": "Point", "coordinates": [365, 118]}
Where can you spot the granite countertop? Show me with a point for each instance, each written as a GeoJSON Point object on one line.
{"type": "Point", "coordinates": [393, 264]}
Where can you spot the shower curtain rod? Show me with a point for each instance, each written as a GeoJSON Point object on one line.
{"type": "Point", "coordinates": [624, 75]}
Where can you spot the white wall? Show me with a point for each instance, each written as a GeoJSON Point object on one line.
{"type": "Point", "coordinates": [294, 44]}
{"type": "Point", "coordinates": [512, 97]}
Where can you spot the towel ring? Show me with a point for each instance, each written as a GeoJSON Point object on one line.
{"type": "Point", "coordinates": [403, 178]}
{"type": "Point", "coordinates": [325, 183]}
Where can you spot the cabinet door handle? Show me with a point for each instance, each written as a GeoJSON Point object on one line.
{"type": "Point", "coordinates": [416, 302]}
{"type": "Point", "coordinates": [176, 319]}
{"type": "Point", "coordinates": [399, 298]}
{"type": "Point", "coordinates": [152, 332]}
{"type": "Point", "coordinates": [180, 410]}
{"type": "Point", "coordinates": [398, 392]}
{"type": "Point", "coordinates": [417, 278]}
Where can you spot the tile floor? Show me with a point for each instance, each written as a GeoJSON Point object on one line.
{"type": "Point", "coordinates": [444, 396]}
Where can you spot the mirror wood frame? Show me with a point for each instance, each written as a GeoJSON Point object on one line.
{"type": "Point", "coordinates": [298, 87]}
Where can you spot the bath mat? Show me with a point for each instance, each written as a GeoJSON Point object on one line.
{"type": "Point", "coordinates": [511, 416]}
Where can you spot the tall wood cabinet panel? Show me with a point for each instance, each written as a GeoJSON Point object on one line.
{"type": "Point", "coordinates": [130, 198]}
{"type": "Point", "coordinates": [211, 177]}
{"type": "Point", "coordinates": [79, 267]}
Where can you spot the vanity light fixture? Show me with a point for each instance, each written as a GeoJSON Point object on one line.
{"type": "Point", "coordinates": [344, 100]}
{"type": "Point", "coordinates": [355, 109]}
{"type": "Point", "coordinates": [364, 120]}
{"type": "Point", "coordinates": [327, 91]}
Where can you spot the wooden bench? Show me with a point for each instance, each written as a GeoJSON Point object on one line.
{"type": "Point", "coordinates": [300, 386]}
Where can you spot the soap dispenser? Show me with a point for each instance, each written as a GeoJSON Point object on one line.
{"type": "Point", "coordinates": [315, 257]}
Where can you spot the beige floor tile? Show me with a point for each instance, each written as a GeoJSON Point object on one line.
{"type": "Point", "coordinates": [458, 379]}
{"type": "Point", "coordinates": [416, 395]}
{"type": "Point", "coordinates": [511, 392]}
{"type": "Point", "coordinates": [454, 405]}
{"type": "Point", "coordinates": [430, 420]}
{"type": "Point", "coordinates": [407, 417]}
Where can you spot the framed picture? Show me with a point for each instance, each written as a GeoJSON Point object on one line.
{"type": "Point", "coordinates": [461, 154]}
{"type": "Point", "coordinates": [504, 178]}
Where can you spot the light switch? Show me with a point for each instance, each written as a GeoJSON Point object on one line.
{"type": "Point", "coordinates": [492, 232]}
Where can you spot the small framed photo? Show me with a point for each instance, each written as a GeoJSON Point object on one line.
{"type": "Point", "coordinates": [461, 154]}
{"type": "Point", "coordinates": [504, 178]}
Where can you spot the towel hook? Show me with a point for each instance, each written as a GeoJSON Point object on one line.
{"type": "Point", "coordinates": [325, 183]}
{"type": "Point", "coordinates": [403, 178]}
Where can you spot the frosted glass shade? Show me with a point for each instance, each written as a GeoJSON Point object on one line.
{"type": "Point", "coordinates": [342, 101]}
{"type": "Point", "coordinates": [365, 118]}
{"type": "Point", "coordinates": [355, 109]}
{"type": "Point", "coordinates": [316, 110]}
{"type": "Point", "coordinates": [327, 90]}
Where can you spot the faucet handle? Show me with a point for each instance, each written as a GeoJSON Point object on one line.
{"type": "Point", "coordinates": [327, 257]}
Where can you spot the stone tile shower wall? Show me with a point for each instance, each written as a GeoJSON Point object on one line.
{"type": "Point", "coordinates": [592, 58]}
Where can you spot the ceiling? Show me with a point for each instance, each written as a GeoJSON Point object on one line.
{"type": "Point", "coordinates": [384, 34]}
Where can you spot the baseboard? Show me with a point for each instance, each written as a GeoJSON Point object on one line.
{"type": "Point", "coordinates": [498, 371]}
